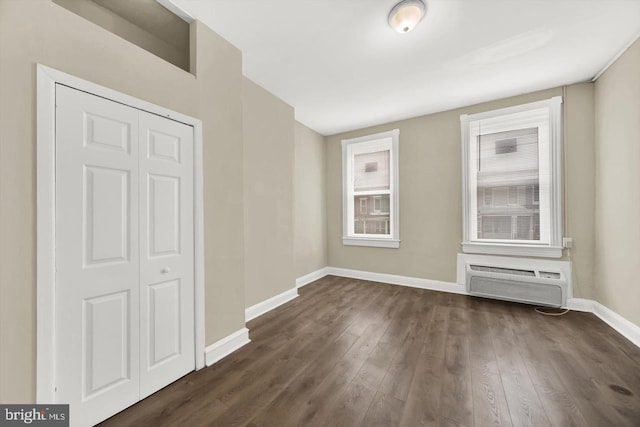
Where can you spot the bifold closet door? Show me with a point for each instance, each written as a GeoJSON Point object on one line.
{"type": "Point", "coordinates": [166, 252]}
{"type": "Point", "coordinates": [97, 256]}
{"type": "Point", "coordinates": [124, 254]}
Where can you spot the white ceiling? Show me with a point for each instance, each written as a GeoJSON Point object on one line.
{"type": "Point", "coordinates": [341, 67]}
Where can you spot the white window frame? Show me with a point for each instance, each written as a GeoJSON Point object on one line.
{"type": "Point", "coordinates": [550, 157]}
{"type": "Point", "coordinates": [370, 144]}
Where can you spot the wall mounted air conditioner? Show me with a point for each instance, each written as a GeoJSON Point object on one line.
{"type": "Point", "coordinates": [532, 281]}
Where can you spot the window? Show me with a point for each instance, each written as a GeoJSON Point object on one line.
{"type": "Point", "coordinates": [512, 201]}
{"type": "Point", "coordinates": [370, 190]}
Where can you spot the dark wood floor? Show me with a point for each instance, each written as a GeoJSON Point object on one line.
{"type": "Point", "coordinates": [350, 352]}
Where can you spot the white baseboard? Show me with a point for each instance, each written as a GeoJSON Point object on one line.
{"type": "Point", "coordinates": [580, 304]}
{"type": "Point", "coordinates": [311, 277]}
{"type": "Point", "coordinates": [268, 305]}
{"type": "Point", "coordinates": [414, 282]}
{"type": "Point", "coordinates": [226, 346]}
{"type": "Point", "coordinates": [629, 330]}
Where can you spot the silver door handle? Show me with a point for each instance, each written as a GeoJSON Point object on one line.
{"type": "Point", "coordinates": [165, 270]}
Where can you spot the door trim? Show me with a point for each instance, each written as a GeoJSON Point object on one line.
{"type": "Point", "coordinates": [47, 78]}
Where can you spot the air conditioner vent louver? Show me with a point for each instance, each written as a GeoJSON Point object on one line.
{"type": "Point", "coordinates": [516, 291]}
{"type": "Point", "coordinates": [507, 280]}
{"type": "Point", "coordinates": [503, 270]}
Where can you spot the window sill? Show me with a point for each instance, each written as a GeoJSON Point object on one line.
{"type": "Point", "coordinates": [374, 243]}
{"type": "Point", "coordinates": [504, 249]}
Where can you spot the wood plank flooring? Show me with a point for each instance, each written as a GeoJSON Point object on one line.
{"type": "Point", "coordinates": [349, 352]}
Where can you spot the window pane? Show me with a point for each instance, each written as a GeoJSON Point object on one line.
{"type": "Point", "coordinates": [500, 195]}
{"type": "Point", "coordinates": [508, 185]}
{"type": "Point", "coordinates": [525, 230]}
{"type": "Point", "coordinates": [495, 227]}
{"type": "Point", "coordinates": [364, 206]}
{"type": "Point", "coordinates": [371, 171]}
{"type": "Point", "coordinates": [375, 218]}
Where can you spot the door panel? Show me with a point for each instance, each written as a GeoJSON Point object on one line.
{"type": "Point", "coordinates": [166, 264]}
{"type": "Point", "coordinates": [164, 215]}
{"type": "Point", "coordinates": [106, 342]}
{"type": "Point", "coordinates": [104, 133]}
{"type": "Point", "coordinates": [106, 215]}
{"type": "Point", "coordinates": [163, 146]}
{"type": "Point", "coordinates": [97, 262]}
{"type": "Point", "coordinates": [164, 319]}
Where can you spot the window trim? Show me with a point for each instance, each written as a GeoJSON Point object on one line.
{"type": "Point", "coordinates": [393, 240]}
{"type": "Point", "coordinates": [554, 248]}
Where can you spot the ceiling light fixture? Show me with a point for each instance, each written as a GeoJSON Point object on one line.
{"type": "Point", "coordinates": [406, 15]}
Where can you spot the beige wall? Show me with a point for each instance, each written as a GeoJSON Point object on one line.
{"type": "Point", "coordinates": [38, 31]}
{"type": "Point", "coordinates": [430, 191]}
{"type": "Point", "coordinates": [176, 53]}
{"type": "Point", "coordinates": [617, 225]}
{"type": "Point", "coordinates": [218, 94]}
{"type": "Point", "coordinates": [268, 194]}
{"type": "Point", "coordinates": [579, 182]}
{"type": "Point", "coordinates": [309, 202]}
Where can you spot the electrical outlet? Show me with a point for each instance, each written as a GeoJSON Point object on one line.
{"type": "Point", "coordinates": [567, 242]}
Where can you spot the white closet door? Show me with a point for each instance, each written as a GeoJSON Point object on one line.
{"type": "Point", "coordinates": [166, 252]}
{"type": "Point", "coordinates": [124, 254]}
{"type": "Point", "coordinates": [97, 262]}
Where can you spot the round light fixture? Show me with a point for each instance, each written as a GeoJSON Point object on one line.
{"type": "Point", "coordinates": [406, 15]}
